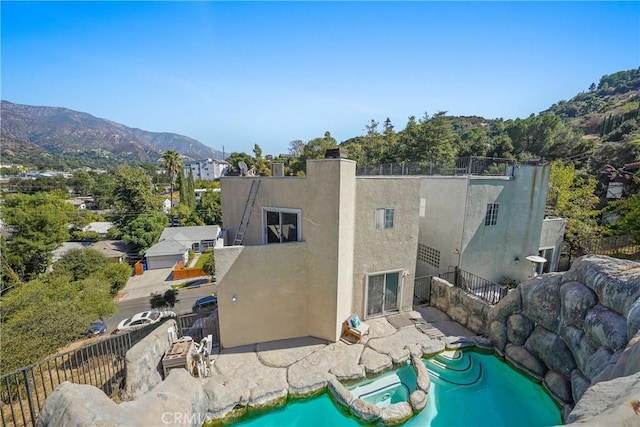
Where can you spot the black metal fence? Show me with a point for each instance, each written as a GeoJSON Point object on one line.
{"type": "Point", "coordinates": [482, 288]}
{"type": "Point", "coordinates": [422, 291]}
{"type": "Point", "coordinates": [487, 166]}
{"type": "Point", "coordinates": [612, 245]}
{"type": "Point", "coordinates": [101, 364]}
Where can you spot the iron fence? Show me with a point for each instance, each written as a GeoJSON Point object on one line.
{"type": "Point", "coordinates": [101, 364]}
{"type": "Point", "coordinates": [482, 288]}
{"type": "Point", "coordinates": [486, 166]}
{"type": "Point", "coordinates": [422, 291]}
{"type": "Point", "coordinates": [612, 245]}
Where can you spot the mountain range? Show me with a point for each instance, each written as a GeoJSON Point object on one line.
{"type": "Point", "coordinates": [35, 135]}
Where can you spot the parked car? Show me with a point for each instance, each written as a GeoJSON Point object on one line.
{"type": "Point", "coordinates": [97, 328]}
{"type": "Point", "coordinates": [143, 319]}
{"type": "Point", "coordinates": [205, 303]}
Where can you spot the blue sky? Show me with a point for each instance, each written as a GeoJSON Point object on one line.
{"type": "Point", "coordinates": [235, 74]}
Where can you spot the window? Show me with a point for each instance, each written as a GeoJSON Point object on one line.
{"type": "Point", "coordinates": [196, 246]}
{"type": "Point", "coordinates": [492, 214]}
{"type": "Point", "coordinates": [208, 244]}
{"type": "Point", "coordinates": [384, 218]}
{"type": "Point", "coordinates": [281, 225]}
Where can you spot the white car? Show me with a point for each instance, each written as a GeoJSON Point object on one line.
{"type": "Point", "coordinates": [143, 319]}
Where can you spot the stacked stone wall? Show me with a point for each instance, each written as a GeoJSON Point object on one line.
{"type": "Point", "coordinates": [463, 307]}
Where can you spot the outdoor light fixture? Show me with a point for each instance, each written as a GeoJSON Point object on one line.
{"type": "Point", "coordinates": [516, 259]}
{"type": "Point", "coordinates": [234, 299]}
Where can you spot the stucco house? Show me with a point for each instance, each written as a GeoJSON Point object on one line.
{"type": "Point", "coordinates": [174, 244]}
{"type": "Point", "coordinates": [306, 252]}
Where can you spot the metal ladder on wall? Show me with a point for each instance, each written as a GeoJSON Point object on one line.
{"type": "Point", "coordinates": [246, 214]}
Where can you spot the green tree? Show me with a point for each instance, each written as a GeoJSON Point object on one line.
{"type": "Point", "coordinates": [81, 263]}
{"type": "Point", "coordinates": [210, 208]}
{"type": "Point", "coordinates": [38, 224]}
{"type": "Point", "coordinates": [262, 166]}
{"type": "Point", "coordinates": [82, 182]}
{"type": "Point", "coordinates": [43, 315]}
{"type": "Point", "coordinates": [185, 215]}
{"type": "Point", "coordinates": [103, 190]}
{"type": "Point", "coordinates": [573, 198]}
{"type": "Point", "coordinates": [144, 230]}
{"type": "Point", "coordinates": [209, 266]}
{"type": "Point", "coordinates": [133, 194]}
{"type": "Point", "coordinates": [168, 299]}
{"type": "Point", "coordinates": [173, 166]}
{"type": "Point", "coordinates": [235, 158]}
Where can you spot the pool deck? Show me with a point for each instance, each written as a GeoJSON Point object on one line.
{"type": "Point", "coordinates": [262, 374]}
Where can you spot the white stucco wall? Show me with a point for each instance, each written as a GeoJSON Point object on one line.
{"type": "Point", "coordinates": [490, 251]}
{"type": "Point", "coordinates": [441, 226]}
{"type": "Point", "coordinates": [384, 250]}
{"type": "Point", "coordinates": [551, 237]}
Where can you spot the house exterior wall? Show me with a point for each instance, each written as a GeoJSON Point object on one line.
{"type": "Point", "coordinates": [326, 201]}
{"type": "Point", "coordinates": [271, 296]}
{"type": "Point", "coordinates": [551, 237]}
{"type": "Point", "coordinates": [454, 222]}
{"type": "Point", "coordinates": [441, 225]}
{"type": "Point", "coordinates": [490, 251]}
{"type": "Point", "coordinates": [384, 250]}
{"type": "Point", "coordinates": [206, 169]}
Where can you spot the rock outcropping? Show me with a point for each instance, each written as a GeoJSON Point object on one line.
{"type": "Point", "coordinates": [570, 330]}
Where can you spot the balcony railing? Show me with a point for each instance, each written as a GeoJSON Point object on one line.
{"type": "Point", "coordinates": [465, 166]}
{"type": "Point", "coordinates": [482, 288]}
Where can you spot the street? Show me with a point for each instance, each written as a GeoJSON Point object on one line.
{"type": "Point", "coordinates": [129, 307]}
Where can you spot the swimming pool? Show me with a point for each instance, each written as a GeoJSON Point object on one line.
{"type": "Point", "coordinates": [467, 389]}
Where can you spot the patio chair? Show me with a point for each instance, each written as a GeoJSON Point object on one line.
{"type": "Point", "coordinates": [354, 327]}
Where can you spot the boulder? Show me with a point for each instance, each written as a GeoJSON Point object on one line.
{"type": "Point", "coordinates": [526, 361]}
{"type": "Point", "coordinates": [552, 350]}
{"type": "Point", "coordinates": [222, 399]}
{"type": "Point", "coordinates": [606, 327]}
{"type": "Point", "coordinates": [423, 381]}
{"type": "Point", "coordinates": [375, 362]}
{"type": "Point", "coordinates": [519, 328]}
{"type": "Point", "coordinates": [498, 335]}
{"type": "Point", "coordinates": [508, 305]}
{"type": "Point", "coordinates": [597, 362]}
{"type": "Point", "coordinates": [541, 300]}
{"type": "Point", "coordinates": [578, 344]}
{"type": "Point", "coordinates": [418, 400]}
{"type": "Point", "coordinates": [559, 387]}
{"type": "Point", "coordinates": [609, 403]}
{"type": "Point", "coordinates": [144, 361]}
{"type": "Point", "coordinates": [348, 372]}
{"type": "Point", "coordinates": [633, 318]}
{"type": "Point", "coordinates": [577, 300]}
{"type": "Point", "coordinates": [340, 393]}
{"type": "Point", "coordinates": [364, 410]}
{"type": "Point", "coordinates": [628, 363]}
{"type": "Point", "coordinates": [396, 413]}
{"type": "Point", "coordinates": [579, 384]}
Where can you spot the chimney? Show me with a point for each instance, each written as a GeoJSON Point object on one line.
{"type": "Point", "coordinates": [277, 169]}
{"type": "Point", "coordinates": [336, 153]}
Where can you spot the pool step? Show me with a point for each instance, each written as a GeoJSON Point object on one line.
{"type": "Point", "coordinates": [454, 367]}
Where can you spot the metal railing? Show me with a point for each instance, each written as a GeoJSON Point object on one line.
{"type": "Point", "coordinates": [101, 364]}
{"type": "Point", "coordinates": [612, 245]}
{"type": "Point", "coordinates": [422, 291]}
{"type": "Point", "coordinates": [482, 288]}
{"type": "Point", "coordinates": [484, 166]}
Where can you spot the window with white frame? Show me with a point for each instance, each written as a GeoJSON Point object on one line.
{"type": "Point", "coordinates": [208, 244]}
{"type": "Point", "coordinates": [491, 218]}
{"type": "Point", "coordinates": [281, 225]}
{"type": "Point", "coordinates": [384, 218]}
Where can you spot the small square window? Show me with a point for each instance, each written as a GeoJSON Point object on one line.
{"type": "Point", "coordinates": [491, 218]}
{"type": "Point", "coordinates": [384, 218]}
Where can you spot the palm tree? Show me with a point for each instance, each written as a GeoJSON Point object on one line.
{"type": "Point", "coordinates": [173, 165]}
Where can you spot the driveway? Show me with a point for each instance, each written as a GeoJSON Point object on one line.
{"type": "Point", "coordinates": [152, 281]}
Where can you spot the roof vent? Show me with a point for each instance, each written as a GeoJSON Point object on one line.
{"type": "Point", "coordinates": [336, 153]}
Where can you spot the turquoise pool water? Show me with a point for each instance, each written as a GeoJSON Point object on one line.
{"type": "Point", "coordinates": [478, 390]}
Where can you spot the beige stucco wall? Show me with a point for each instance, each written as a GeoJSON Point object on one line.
{"type": "Point", "coordinates": [271, 296]}
{"type": "Point", "coordinates": [385, 250]}
{"type": "Point", "coordinates": [323, 271]}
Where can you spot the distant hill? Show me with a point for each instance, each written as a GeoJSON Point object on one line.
{"type": "Point", "coordinates": [61, 137]}
{"type": "Point", "coordinates": [608, 111]}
